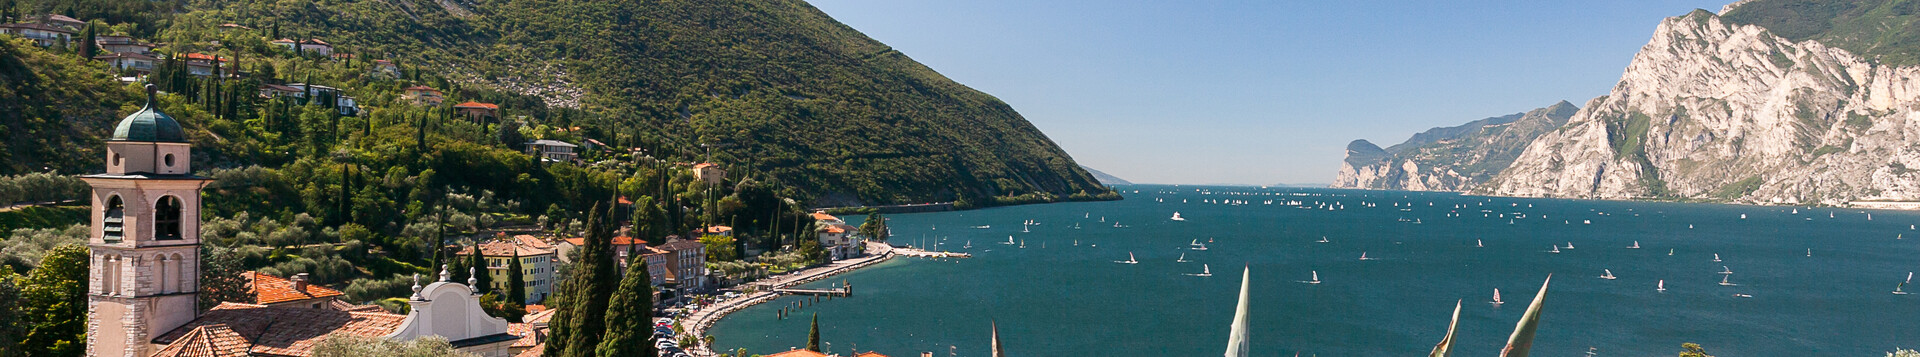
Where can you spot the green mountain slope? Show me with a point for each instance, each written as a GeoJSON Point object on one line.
{"type": "Point", "coordinates": [1886, 30]}
{"type": "Point", "coordinates": [776, 86]}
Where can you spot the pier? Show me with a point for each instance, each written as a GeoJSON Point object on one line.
{"type": "Point", "coordinates": [840, 291]}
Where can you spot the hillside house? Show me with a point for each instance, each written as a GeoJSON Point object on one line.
{"type": "Point", "coordinates": [839, 240]}
{"type": "Point", "coordinates": [387, 68]}
{"type": "Point", "coordinates": [123, 44]}
{"type": "Point", "coordinates": [62, 21]}
{"type": "Point", "coordinates": [710, 173]}
{"type": "Point", "coordinates": [686, 263]}
{"type": "Point", "coordinates": [536, 264]}
{"type": "Point", "coordinates": [309, 46]}
{"type": "Point", "coordinates": [201, 64]}
{"type": "Point", "coordinates": [477, 111]}
{"type": "Point", "coordinates": [553, 150]}
{"type": "Point", "coordinates": [424, 95]}
{"type": "Point", "coordinates": [42, 34]}
{"type": "Point", "coordinates": [128, 61]}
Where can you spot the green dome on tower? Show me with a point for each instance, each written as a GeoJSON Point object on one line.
{"type": "Point", "coordinates": [149, 124]}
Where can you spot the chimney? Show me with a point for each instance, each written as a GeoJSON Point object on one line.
{"type": "Point", "coordinates": [300, 282]}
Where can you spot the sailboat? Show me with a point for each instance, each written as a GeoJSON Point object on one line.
{"type": "Point", "coordinates": [1636, 245]}
{"type": "Point", "coordinates": [1809, 252]}
{"type": "Point", "coordinates": [1129, 260]}
{"type": "Point", "coordinates": [1176, 217]}
{"type": "Point", "coordinates": [1009, 241]}
{"type": "Point", "coordinates": [1725, 271]}
{"type": "Point", "coordinates": [1076, 225]}
{"type": "Point", "coordinates": [1237, 334]}
{"type": "Point", "coordinates": [1556, 250]}
{"type": "Point", "coordinates": [1716, 257]}
{"type": "Point", "coordinates": [1183, 258]}
{"type": "Point", "coordinates": [1196, 245]}
{"type": "Point", "coordinates": [1315, 279]}
{"type": "Point", "coordinates": [1478, 244]}
{"type": "Point", "coordinates": [1662, 287]}
{"type": "Point", "coordinates": [1204, 271]}
{"type": "Point", "coordinates": [1023, 229]}
{"type": "Point", "coordinates": [1496, 298]}
{"type": "Point", "coordinates": [1669, 251]}
{"type": "Point", "coordinates": [1899, 289]}
{"type": "Point", "coordinates": [1323, 239]}
{"type": "Point", "coordinates": [1608, 275]}
{"type": "Point", "coordinates": [1569, 245]}
{"type": "Point", "coordinates": [1023, 244]}
{"type": "Point", "coordinates": [1724, 282]}
{"type": "Point", "coordinates": [1743, 216]}
{"type": "Point", "coordinates": [1363, 256]}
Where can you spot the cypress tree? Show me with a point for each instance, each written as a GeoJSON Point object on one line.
{"type": "Point", "coordinates": [88, 46]}
{"type": "Point", "coordinates": [577, 328]}
{"type": "Point", "coordinates": [478, 261]}
{"type": "Point", "coordinates": [813, 334]}
{"type": "Point", "coordinates": [630, 315]}
{"type": "Point", "coordinates": [516, 284]}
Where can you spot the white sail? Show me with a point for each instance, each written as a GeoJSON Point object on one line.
{"type": "Point", "coordinates": [1662, 286]}
{"type": "Point", "coordinates": [1237, 334]}
{"type": "Point", "coordinates": [1316, 277]}
{"type": "Point", "coordinates": [1204, 269]}
{"type": "Point", "coordinates": [1496, 297]}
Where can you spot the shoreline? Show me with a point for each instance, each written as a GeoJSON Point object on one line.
{"type": "Point", "coordinates": [698, 323]}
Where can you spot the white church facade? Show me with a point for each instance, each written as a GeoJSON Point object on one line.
{"type": "Point", "coordinates": [145, 266]}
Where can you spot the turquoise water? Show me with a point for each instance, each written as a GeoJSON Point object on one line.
{"type": "Point", "coordinates": [1062, 299]}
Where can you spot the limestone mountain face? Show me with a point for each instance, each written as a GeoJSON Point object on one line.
{"type": "Point", "coordinates": [1718, 111]}
{"type": "Point", "coordinates": [1450, 158]}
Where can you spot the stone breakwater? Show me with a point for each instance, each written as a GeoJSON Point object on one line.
{"type": "Point", "coordinates": [698, 323]}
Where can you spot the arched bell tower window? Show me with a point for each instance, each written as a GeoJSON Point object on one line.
{"type": "Point", "coordinates": [113, 226]}
{"type": "Point", "coordinates": [166, 219]}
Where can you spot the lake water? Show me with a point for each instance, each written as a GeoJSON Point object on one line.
{"type": "Point", "coordinates": [1054, 298]}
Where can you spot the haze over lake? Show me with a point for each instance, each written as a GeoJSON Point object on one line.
{"type": "Point", "coordinates": [1818, 285]}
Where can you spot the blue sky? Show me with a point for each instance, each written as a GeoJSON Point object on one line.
{"type": "Point", "coordinates": [1261, 92]}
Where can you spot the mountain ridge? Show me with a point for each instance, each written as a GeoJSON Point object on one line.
{"type": "Point", "coordinates": [1453, 158]}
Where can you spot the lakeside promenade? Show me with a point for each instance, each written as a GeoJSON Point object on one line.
{"type": "Point", "coordinates": [699, 321]}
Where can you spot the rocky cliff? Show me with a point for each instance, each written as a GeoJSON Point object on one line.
{"type": "Point", "coordinates": [1449, 158]}
{"type": "Point", "coordinates": [1714, 110]}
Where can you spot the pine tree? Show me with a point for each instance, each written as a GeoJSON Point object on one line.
{"type": "Point", "coordinates": [222, 277]}
{"type": "Point", "coordinates": [813, 334]}
{"type": "Point", "coordinates": [577, 328]}
{"type": "Point", "coordinates": [630, 318]}
{"type": "Point", "coordinates": [516, 283]}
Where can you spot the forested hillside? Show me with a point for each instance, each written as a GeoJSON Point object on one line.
{"type": "Point", "coordinates": [775, 86]}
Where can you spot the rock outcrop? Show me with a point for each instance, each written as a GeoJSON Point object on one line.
{"type": "Point", "coordinates": [1450, 158]}
{"type": "Point", "coordinates": [1712, 110]}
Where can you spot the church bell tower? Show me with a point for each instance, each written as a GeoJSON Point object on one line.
{"type": "Point", "coordinates": [145, 240]}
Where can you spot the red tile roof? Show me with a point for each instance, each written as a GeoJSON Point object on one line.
{"type": "Point", "coordinates": [833, 228]}
{"type": "Point", "coordinates": [423, 89]}
{"type": "Point", "coordinates": [203, 57]}
{"type": "Point", "coordinates": [798, 353]}
{"type": "Point", "coordinates": [207, 341]}
{"type": "Point", "coordinates": [268, 289]}
{"type": "Point", "coordinates": [704, 165]}
{"type": "Point", "coordinates": [536, 351]}
{"type": "Point", "coordinates": [532, 241]}
{"type": "Point", "coordinates": [823, 216]}
{"type": "Point", "coordinates": [617, 241]}
{"type": "Point", "coordinates": [870, 354]}
{"type": "Point", "coordinates": [499, 248]}
{"type": "Point", "coordinates": [286, 331]}
{"type": "Point", "coordinates": [526, 334]}
{"type": "Point", "coordinates": [539, 317]}
{"type": "Point", "coordinates": [475, 105]}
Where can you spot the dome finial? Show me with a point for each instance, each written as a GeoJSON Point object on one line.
{"type": "Point", "coordinates": [151, 89]}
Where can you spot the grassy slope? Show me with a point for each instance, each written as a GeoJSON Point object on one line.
{"type": "Point", "coordinates": [1887, 30]}
{"type": "Point", "coordinates": [775, 85]}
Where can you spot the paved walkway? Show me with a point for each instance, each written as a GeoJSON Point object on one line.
{"type": "Point", "coordinates": [698, 322]}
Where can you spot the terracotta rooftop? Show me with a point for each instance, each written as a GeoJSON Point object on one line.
{"type": "Point", "coordinates": [798, 353]}
{"type": "Point", "coordinates": [285, 331]}
{"type": "Point", "coordinates": [823, 216]}
{"type": "Point", "coordinates": [704, 165]}
{"type": "Point", "coordinates": [719, 229]}
{"type": "Point", "coordinates": [203, 56]}
{"type": "Point", "coordinates": [617, 241]}
{"type": "Point", "coordinates": [476, 105]}
{"type": "Point", "coordinates": [682, 244]}
{"type": "Point", "coordinates": [268, 289]}
{"type": "Point", "coordinates": [870, 354]}
{"type": "Point", "coordinates": [837, 228]}
{"type": "Point", "coordinates": [525, 332]}
{"type": "Point", "coordinates": [539, 317]}
{"type": "Point", "coordinates": [501, 248]}
{"type": "Point", "coordinates": [207, 341]}
{"type": "Point", "coordinates": [536, 351]}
